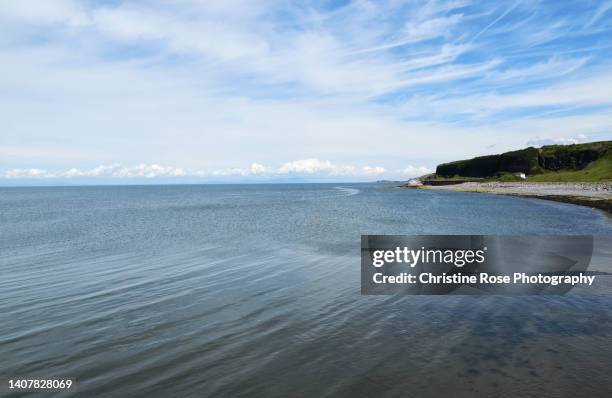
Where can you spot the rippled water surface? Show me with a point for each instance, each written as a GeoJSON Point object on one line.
{"type": "Point", "coordinates": [254, 291]}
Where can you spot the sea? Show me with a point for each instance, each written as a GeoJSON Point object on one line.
{"type": "Point", "coordinates": [254, 291]}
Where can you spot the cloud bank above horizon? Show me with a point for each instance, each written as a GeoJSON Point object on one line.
{"type": "Point", "coordinates": [306, 167]}
{"type": "Point", "coordinates": [261, 89]}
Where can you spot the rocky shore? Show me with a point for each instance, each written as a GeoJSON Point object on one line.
{"type": "Point", "coordinates": [596, 195]}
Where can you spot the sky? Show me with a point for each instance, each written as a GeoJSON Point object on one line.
{"type": "Point", "coordinates": [277, 90]}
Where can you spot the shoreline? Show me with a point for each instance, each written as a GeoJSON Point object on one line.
{"type": "Point", "coordinates": [594, 195]}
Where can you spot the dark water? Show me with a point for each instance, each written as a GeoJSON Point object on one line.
{"type": "Point", "coordinates": [254, 291]}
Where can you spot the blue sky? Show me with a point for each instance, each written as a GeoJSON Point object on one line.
{"type": "Point", "coordinates": [257, 90]}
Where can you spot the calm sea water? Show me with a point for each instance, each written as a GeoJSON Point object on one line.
{"type": "Point", "coordinates": [254, 291]}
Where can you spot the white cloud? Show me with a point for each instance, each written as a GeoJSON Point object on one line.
{"type": "Point", "coordinates": [316, 166]}
{"type": "Point", "coordinates": [446, 54]}
{"type": "Point", "coordinates": [95, 172]}
{"type": "Point", "coordinates": [430, 28]}
{"type": "Point", "coordinates": [367, 170]}
{"type": "Point", "coordinates": [305, 167]}
{"type": "Point", "coordinates": [548, 69]}
{"type": "Point", "coordinates": [68, 12]}
{"type": "Point", "coordinates": [148, 171]}
{"type": "Point", "coordinates": [415, 171]}
{"type": "Point", "coordinates": [578, 92]}
{"type": "Point", "coordinates": [183, 35]}
{"type": "Point", "coordinates": [27, 173]}
{"type": "Point", "coordinates": [257, 168]}
{"type": "Point", "coordinates": [538, 142]}
{"type": "Point", "coordinates": [603, 8]}
{"type": "Point", "coordinates": [308, 166]}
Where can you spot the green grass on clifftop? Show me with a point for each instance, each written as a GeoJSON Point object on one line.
{"type": "Point", "coordinates": [599, 170]}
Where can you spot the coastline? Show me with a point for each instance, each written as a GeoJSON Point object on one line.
{"type": "Point", "coordinates": [595, 195]}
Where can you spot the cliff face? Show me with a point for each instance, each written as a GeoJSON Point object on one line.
{"type": "Point", "coordinates": [524, 161]}
{"type": "Point", "coordinates": [532, 161]}
{"type": "Point", "coordinates": [573, 157]}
